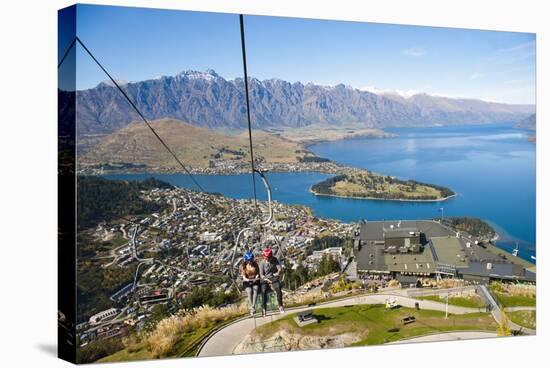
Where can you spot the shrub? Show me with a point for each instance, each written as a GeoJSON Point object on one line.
{"type": "Point", "coordinates": [97, 350]}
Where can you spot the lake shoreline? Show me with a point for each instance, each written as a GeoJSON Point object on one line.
{"type": "Point", "coordinates": [312, 142]}
{"type": "Point", "coordinates": [470, 179]}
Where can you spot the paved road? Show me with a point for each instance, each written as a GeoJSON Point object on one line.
{"type": "Point", "coordinates": [448, 336]}
{"type": "Point", "coordinates": [497, 313]}
{"type": "Point", "coordinates": [426, 292]}
{"type": "Point", "coordinates": [224, 341]}
{"type": "Point", "coordinates": [515, 309]}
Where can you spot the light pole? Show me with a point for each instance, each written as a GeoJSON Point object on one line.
{"type": "Point", "coordinates": [447, 306]}
{"type": "Point", "coordinates": [441, 210]}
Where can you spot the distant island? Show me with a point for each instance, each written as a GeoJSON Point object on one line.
{"type": "Point", "coordinates": [363, 184]}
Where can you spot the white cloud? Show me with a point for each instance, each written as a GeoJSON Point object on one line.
{"type": "Point", "coordinates": [415, 52]}
{"type": "Point", "coordinates": [398, 92]}
{"type": "Point", "coordinates": [515, 81]}
{"type": "Point", "coordinates": [518, 47]}
{"type": "Point", "coordinates": [513, 93]}
{"type": "Point", "coordinates": [476, 76]}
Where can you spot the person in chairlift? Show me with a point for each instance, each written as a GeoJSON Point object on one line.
{"type": "Point", "coordinates": [270, 270]}
{"type": "Point", "coordinates": [250, 273]}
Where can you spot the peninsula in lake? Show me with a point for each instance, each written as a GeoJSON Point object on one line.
{"type": "Point", "coordinates": [366, 185]}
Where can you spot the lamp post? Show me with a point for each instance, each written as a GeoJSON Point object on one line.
{"type": "Point", "coordinates": [447, 306]}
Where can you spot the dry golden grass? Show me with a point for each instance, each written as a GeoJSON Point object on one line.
{"type": "Point", "coordinates": [329, 132]}
{"type": "Point", "coordinates": [394, 283]}
{"type": "Point", "coordinates": [194, 145]}
{"type": "Point", "coordinates": [308, 298]}
{"type": "Point", "coordinates": [132, 342]}
{"type": "Point", "coordinates": [450, 283]}
{"type": "Point", "coordinates": [526, 290]}
{"type": "Point", "coordinates": [525, 318]}
{"type": "Point", "coordinates": [168, 331]}
{"type": "Point", "coordinates": [348, 189]}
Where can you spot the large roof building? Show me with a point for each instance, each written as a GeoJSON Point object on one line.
{"type": "Point", "coordinates": [408, 250]}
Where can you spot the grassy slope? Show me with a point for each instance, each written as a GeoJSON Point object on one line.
{"type": "Point", "coordinates": [372, 323]}
{"type": "Point", "coordinates": [524, 318]}
{"type": "Point", "coordinates": [195, 146]}
{"type": "Point", "coordinates": [328, 132]}
{"type": "Point", "coordinates": [515, 300]}
{"type": "Point", "coordinates": [467, 302]}
{"type": "Point", "coordinates": [186, 346]}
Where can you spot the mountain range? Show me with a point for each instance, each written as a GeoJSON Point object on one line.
{"type": "Point", "coordinates": [206, 99]}
{"type": "Point", "coordinates": [529, 122]}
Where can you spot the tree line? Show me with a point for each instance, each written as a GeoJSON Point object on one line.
{"type": "Point", "coordinates": [100, 199]}
{"type": "Point", "coordinates": [471, 225]}
{"type": "Point", "coordinates": [299, 275]}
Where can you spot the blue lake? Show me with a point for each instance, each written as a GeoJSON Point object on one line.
{"type": "Point", "coordinates": [491, 168]}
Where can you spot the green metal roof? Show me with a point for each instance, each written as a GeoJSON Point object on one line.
{"type": "Point", "coordinates": [449, 251]}
{"type": "Point", "coordinates": [410, 262]}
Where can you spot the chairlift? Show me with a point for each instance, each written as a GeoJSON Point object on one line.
{"type": "Point", "coordinates": [279, 249]}
{"type": "Point", "coordinates": [262, 224]}
{"type": "Point", "coordinates": [516, 249]}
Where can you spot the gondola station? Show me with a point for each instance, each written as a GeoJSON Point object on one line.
{"type": "Point", "coordinates": [412, 250]}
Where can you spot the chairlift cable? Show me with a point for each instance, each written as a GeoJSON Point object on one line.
{"type": "Point", "coordinates": [140, 260]}
{"type": "Point", "coordinates": [264, 222]}
{"type": "Point", "coordinates": [66, 53]}
{"type": "Point", "coordinates": [133, 105]}
{"type": "Point", "coordinates": [249, 122]}
{"type": "Point", "coordinates": [252, 164]}
{"type": "Point", "coordinates": [243, 47]}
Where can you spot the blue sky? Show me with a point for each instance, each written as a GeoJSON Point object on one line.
{"type": "Point", "coordinates": [136, 44]}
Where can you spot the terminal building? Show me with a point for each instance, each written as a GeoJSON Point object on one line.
{"type": "Point", "coordinates": [156, 296]}
{"type": "Point", "coordinates": [104, 315]}
{"type": "Point", "coordinates": [411, 250]}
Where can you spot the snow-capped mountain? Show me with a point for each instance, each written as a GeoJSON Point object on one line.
{"type": "Point", "coordinates": [207, 99]}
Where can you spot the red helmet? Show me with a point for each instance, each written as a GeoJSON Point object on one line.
{"type": "Point", "coordinates": [268, 252]}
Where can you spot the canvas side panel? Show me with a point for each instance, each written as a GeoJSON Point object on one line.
{"type": "Point", "coordinates": [66, 273]}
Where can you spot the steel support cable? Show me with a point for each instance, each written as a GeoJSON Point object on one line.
{"type": "Point", "coordinates": [66, 53]}
{"type": "Point", "coordinates": [150, 260]}
{"type": "Point", "coordinates": [264, 222]}
{"type": "Point", "coordinates": [245, 71]}
{"type": "Point", "coordinates": [252, 165]}
{"type": "Point", "coordinates": [133, 105]}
